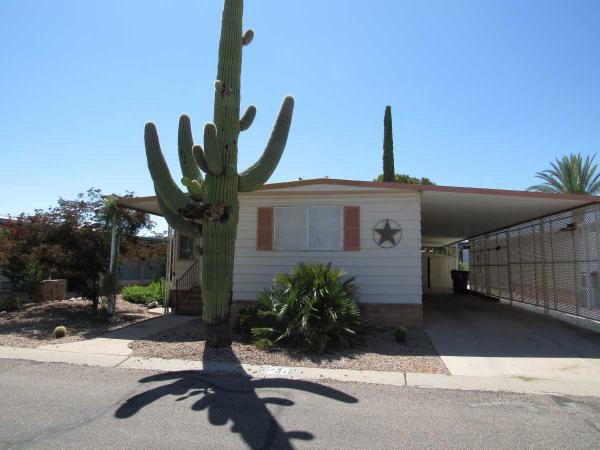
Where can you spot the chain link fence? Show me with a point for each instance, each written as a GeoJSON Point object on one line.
{"type": "Point", "coordinates": [552, 262]}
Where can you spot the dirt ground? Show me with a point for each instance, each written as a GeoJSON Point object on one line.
{"type": "Point", "coordinates": [33, 325]}
{"type": "Point", "coordinates": [380, 351]}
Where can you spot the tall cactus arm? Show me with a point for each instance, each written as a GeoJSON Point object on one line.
{"type": "Point", "coordinates": [255, 176]}
{"type": "Point", "coordinates": [178, 223]}
{"type": "Point", "coordinates": [198, 152]}
{"type": "Point", "coordinates": [212, 155]}
{"type": "Point", "coordinates": [165, 187]}
{"type": "Point", "coordinates": [196, 189]}
{"type": "Point", "coordinates": [189, 168]}
{"type": "Point", "coordinates": [248, 118]}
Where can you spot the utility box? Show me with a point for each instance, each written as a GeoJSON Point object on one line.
{"type": "Point", "coordinates": [54, 290]}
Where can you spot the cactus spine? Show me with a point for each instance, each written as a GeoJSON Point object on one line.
{"type": "Point", "coordinates": [388, 147]}
{"type": "Point", "coordinates": [210, 208]}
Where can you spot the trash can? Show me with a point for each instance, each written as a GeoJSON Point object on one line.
{"type": "Point", "coordinates": [460, 279]}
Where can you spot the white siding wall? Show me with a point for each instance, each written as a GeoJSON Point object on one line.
{"type": "Point", "coordinates": [440, 266]}
{"type": "Point", "coordinates": [382, 275]}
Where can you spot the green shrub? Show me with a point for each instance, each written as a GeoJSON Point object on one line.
{"type": "Point", "coordinates": [152, 292]}
{"type": "Point", "coordinates": [312, 307]}
{"type": "Point", "coordinates": [10, 303]}
{"type": "Point", "coordinates": [60, 332]}
{"type": "Point", "coordinates": [401, 334]}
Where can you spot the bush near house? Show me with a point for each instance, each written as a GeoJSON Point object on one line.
{"type": "Point", "coordinates": [147, 294]}
{"type": "Point", "coordinates": [10, 302]}
{"type": "Point", "coordinates": [312, 307]}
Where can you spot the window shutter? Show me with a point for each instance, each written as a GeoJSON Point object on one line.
{"type": "Point", "coordinates": [264, 229]}
{"type": "Point", "coordinates": [351, 228]}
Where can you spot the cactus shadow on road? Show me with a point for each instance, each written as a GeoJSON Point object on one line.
{"type": "Point", "coordinates": [252, 405]}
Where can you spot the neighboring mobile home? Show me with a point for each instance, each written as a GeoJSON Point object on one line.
{"type": "Point", "coordinates": [373, 231]}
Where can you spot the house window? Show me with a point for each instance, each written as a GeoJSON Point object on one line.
{"type": "Point", "coordinates": [186, 247]}
{"type": "Point", "coordinates": [308, 228]}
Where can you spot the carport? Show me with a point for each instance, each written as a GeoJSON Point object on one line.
{"type": "Point", "coordinates": [536, 248]}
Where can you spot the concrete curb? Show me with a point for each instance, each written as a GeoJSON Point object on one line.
{"type": "Point", "coordinates": [400, 379]}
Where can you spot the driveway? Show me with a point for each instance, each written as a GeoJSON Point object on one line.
{"type": "Point", "coordinates": [479, 337]}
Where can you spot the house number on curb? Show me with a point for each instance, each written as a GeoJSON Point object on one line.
{"type": "Point", "coordinates": [387, 233]}
{"type": "Point", "coordinates": [280, 371]}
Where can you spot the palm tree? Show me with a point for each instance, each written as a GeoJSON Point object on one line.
{"type": "Point", "coordinates": [572, 174]}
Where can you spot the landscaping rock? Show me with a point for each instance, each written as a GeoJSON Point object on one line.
{"type": "Point", "coordinates": [152, 305]}
{"type": "Point", "coordinates": [379, 352]}
{"type": "Point", "coordinates": [32, 325]}
{"type": "Point", "coordinates": [2, 313]}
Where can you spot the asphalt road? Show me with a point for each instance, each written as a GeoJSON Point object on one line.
{"type": "Point", "coordinates": [61, 406]}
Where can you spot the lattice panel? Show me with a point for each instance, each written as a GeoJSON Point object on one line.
{"type": "Point", "coordinates": [553, 262]}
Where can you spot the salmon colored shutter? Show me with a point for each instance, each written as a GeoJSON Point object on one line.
{"type": "Point", "coordinates": [351, 228]}
{"type": "Point", "coordinates": [264, 229]}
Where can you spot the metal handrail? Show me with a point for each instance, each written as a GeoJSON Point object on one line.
{"type": "Point", "coordinates": [188, 281]}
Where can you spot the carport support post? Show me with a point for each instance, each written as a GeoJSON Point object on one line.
{"type": "Point", "coordinates": [510, 292]}
{"type": "Point", "coordinates": [575, 272]}
{"type": "Point", "coordinates": [543, 248]}
{"type": "Point", "coordinates": [169, 268]}
{"type": "Point", "coordinates": [488, 278]}
{"type": "Point", "coordinates": [498, 266]}
{"type": "Point", "coordinates": [520, 265]}
{"type": "Point", "coordinates": [553, 263]}
{"type": "Point", "coordinates": [535, 287]}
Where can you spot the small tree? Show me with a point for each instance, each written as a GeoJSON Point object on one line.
{"type": "Point", "coordinates": [70, 240]}
{"type": "Point", "coordinates": [407, 179]}
{"type": "Point", "coordinates": [388, 147]}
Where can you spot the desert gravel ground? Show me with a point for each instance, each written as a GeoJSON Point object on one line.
{"type": "Point", "coordinates": [379, 352]}
{"type": "Point", "coordinates": [33, 325]}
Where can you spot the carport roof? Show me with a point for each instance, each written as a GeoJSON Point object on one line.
{"type": "Point", "coordinates": [448, 214]}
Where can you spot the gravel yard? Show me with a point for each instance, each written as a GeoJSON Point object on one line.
{"type": "Point", "coordinates": [33, 325]}
{"type": "Point", "coordinates": [379, 352]}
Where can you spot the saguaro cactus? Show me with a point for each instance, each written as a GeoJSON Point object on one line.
{"type": "Point", "coordinates": [210, 208]}
{"type": "Point", "coordinates": [388, 147]}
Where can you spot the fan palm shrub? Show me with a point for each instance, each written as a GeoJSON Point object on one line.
{"type": "Point", "coordinates": [572, 174]}
{"type": "Point", "coordinates": [313, 307]}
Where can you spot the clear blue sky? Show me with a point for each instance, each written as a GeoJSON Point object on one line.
{"type": "Point", "coordinates": [484, 93]}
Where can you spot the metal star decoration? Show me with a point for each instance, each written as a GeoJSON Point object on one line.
{"type": "Point", "coordinates": [387, 234]}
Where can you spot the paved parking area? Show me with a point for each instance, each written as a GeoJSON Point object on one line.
{"type": "Point", "coordinates": [479, 337]}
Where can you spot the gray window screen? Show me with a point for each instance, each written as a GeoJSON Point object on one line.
{"type": "Point", "coordinates": [290, 228]}
{"type": "Point", "coordinates": [308, 228]}
{"type": "Point", "coordinates": [325, 228]}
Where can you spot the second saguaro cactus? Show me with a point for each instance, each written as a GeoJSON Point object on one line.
{"type": "Point", "coordinates": [210, 208]}
{"type": "Point", "coordinates": [388, 147]}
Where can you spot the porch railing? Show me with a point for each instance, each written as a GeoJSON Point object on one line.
{"type": "Point", "coordinates": [186, 283]}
